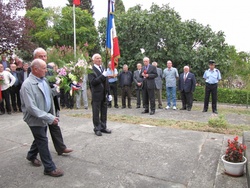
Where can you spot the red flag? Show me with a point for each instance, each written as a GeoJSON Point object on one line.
{"type": "Point", "coordinates": [76, 2]}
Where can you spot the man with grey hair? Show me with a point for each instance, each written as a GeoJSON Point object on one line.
{"type": "Point", "coordinates": [186, 86]}
{"type": "Point", "coordinates": [148, 73]}
{"type": "Point", "coordinates": [138, 80]}
{"type": "Point", "coordinates": [158, 85]}
{"type": "Point", "coordinates": [99, 86]}
{"type": "Point", "coordinates": [39, 111]}
{"type": "Point", "coordinates": [126, 79]}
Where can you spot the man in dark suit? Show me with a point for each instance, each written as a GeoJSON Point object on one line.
{"type": "Point", "coordinates": [126, 79]}
{"type": "Point", "coordinates": [55, 131]}
{"type": "Point", "coordinates": [149, 73]}
{"type": "Point", "coordinates": [187, 83]}
{"type": "Point", "coordinates": [99, 86]}
{"type": "Point", "coordinates": [138, 80]}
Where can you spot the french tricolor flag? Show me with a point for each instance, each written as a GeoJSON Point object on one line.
{"type": "Point", "coordinates": [111, 37]}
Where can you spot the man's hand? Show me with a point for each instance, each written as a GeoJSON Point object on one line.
{"type": "Point", "coordinates": [105, 73]}
{"type": "Point", "coordinates": [139, 84]}
{"type": "Point", "coordinates": [56, 120]}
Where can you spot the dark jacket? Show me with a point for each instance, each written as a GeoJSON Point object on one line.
{"type": "Point", "coordinates": [19, 77]}
{"type": "Point", "coordinates": [99, 85]}
{"type": "Point", "coordinates": [189, 84]}
{"type": "Point", "coordinates": [122, 78]}
{"type": "Point", "coordinates": [150, 80]}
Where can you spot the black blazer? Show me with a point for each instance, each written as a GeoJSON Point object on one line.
{"type": "Point", "coordinates": [121, 78]}
{"type": "Point", "coordinates": [150, 80]}
{"type": "Point", "coordinates": [98, 84]}
{"type": "Point", "coordinates": [189, 84]}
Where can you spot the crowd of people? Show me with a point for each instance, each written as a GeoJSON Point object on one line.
{"type": "Point", "coordinates": [24, 88]}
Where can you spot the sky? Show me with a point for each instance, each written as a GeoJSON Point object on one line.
{"type": "Point", "coordinates": [231, 17]}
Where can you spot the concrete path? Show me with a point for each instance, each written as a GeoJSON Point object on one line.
{"type": "Point", "coordinates": [132, 156]}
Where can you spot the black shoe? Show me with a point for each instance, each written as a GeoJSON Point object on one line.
{"type": "Point", "coordinates": [107, 131]}
{"type": "Point", "coordinates": [215, 112]}
{"type": "Point", "coordinates": [182, 108]}
{"type": "Point", "coordinates": [116, 106]}
{"type": "Point", "coordinates": [130, 107]}
{"type": "Point", "coordinates": [152, 112]}
{"type": "Point", "coordinates": [9, 113]}
{"type": "Point", "coordinates": [204, 110]}
{"type": "Point", "coordinates": [1, 113]}
{"type": "Point", "coordinates": [123, 107]}
{"type": "Point", "coordinates": [160, 107]}
{"type": "Point", "coordinates": [109, 106]}
{"type": "Point", "coordinates": [20, 110]}
{"type": "Point", "coordinates": [98, 133]}
{"type": "Point", "coordinates": [145, 112]}
{"type": "Point", "coordinates": [189, 109]}
{"type": "Point", "coordinates": [138, 106]}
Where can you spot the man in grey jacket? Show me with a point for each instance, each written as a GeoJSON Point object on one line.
{"type": "Point", "coordinates": [158, 85]}
{"type": "Point", "coordinates": [39, 111]}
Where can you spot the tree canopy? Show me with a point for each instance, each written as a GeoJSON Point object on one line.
{"type": "Point", "coordinates": [33, 4]}
{"type": "Point", "coordinates": [85, 5]}
{"type": "Point", "coordinates": [119, 6]}
{"type": "Point", "coordinates": [163, 35]}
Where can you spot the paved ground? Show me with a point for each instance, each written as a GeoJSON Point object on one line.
{"type": "Point", "coordinates": [132, 156]}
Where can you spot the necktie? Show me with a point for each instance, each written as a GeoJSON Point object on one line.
{"type": "Point", "coordinates": [100, 67]}
{"type": "Point", "coordinates": [185, 76]}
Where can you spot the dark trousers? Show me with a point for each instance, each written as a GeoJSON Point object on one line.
{"type": "Point", "coordinates": [187, 99]}
{"type": "Point", "coordinates": [6, 99]}
{"type": "Point", "coordinates": [149, 96]}
{"type": "Point", "coordinates": [126, 92]}
{"type": "Point", "coordinates": [99, 110]}
{"type": "Point", "coordinates": [139, 92]}
{"type": "Point", "coordinates": [15, 97]}
{"type": "Point", "coordinates": [69, 100]}
{"type": "Point", "coordinates": [113, 88]}
{"type": "Point", "coordinates": [57, 138]}
{"type": "Point", "coordinates": [40, 145]}
{"type": "Point", "coordinates": [62, 98]}
{"type": "Point", "coordinates": [211, 89]}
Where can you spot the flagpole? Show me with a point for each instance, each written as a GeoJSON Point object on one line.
{"type": "Point", "coordinates": [74, 21]}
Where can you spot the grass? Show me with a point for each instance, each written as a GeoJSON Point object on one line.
{"type": "Point", "coordinates": [187, 125]}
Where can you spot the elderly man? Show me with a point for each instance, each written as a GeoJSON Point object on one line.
{"type": "Point", "coordinates": [126, 79]}
{"type": "Point", "coordinates": [171, 75]}
{"type": "Point", "coordinates": [212, 76]}
{"type": "Point", "coordinates": [99, 86]}
{"type": "Point", "coordinates": [148, 73]}
{"type": "Point", "coordinates": [39, 111]}
{"type": "Point", "coordinates": [138, 80]}
{"type": "Point", "coordinates": [158, 85]}
{"type": "Point", "coordinates": [7, 80]}
{"type": "Point", "coordinates": [14, 90]}
{"type": "Point", "coordinates": [186, 86]}
{"type": "Point", "coordinates": [55, 131]}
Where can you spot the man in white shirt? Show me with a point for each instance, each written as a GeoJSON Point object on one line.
{"type": "Point", "coordinates": [8, 81]}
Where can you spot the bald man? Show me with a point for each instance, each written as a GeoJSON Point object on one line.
{"type": "Point", "coordinates": [39, 112]}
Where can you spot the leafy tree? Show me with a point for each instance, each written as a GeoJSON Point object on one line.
{"type": "Point", "coordinates": [54, 27]}
{"type": "Point", "coordinates": [13, 26]}
{"type": "Point", "coordinates": [163, 36]}
{"type": "Point", "coordinates": [33, 4]}
{"type": "Point", "coordinates": [85, 5]}
{"type": "Point", "coordinates": [119, 6]}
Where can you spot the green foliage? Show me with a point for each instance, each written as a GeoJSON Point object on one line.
{"type": "Point", "coordinates": [119, 6]}
{"type": "Point", "coordinates": [163, 35]}
{"type": "Point", "coordinates": [85, 5]}
{"type": "Point", "coordinates": [33, 4]}
{"type": "Point", "coordinates": [54, 27]}
{"type": "Point", "coordinates": [225, 95]}
{"type": "Point", "coordinates": [218, 122]}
